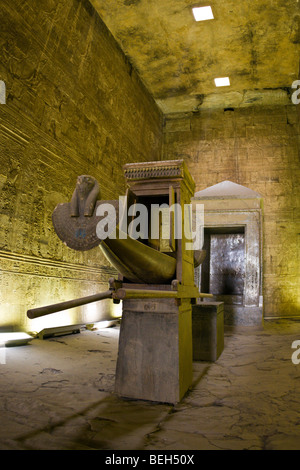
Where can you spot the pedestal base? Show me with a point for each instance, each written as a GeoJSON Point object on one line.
{"type": "Point", "coordinates": [155, 350]}
{"type": "Point", "coordinates": [208, 330]}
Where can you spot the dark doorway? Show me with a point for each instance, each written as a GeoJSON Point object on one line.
{"type": "Point", "coordinates": [223, 270]}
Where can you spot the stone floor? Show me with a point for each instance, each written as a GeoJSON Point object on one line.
{"type": "Point", "coordinates": [58, 393]}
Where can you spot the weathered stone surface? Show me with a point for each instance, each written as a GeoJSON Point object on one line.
{"type": "Point", "coordinates": [257, 148]}
{"type": "Point", "coordinates": [74, 106]}
{"type": "Point", "coordinates": [155, 350]}
{"type": "Point", "coordinates": [59, 394]}
{"type": "Point", "coordinates": [178, 58]}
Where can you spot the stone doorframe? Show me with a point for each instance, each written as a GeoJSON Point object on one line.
{"type": "Point", "coordinates": [239, 207]}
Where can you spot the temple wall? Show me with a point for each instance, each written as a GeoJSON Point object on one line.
{"type": "Point", "coordinates": [257, 147]}
{"type": "Point", "coordinates": [74, 106]}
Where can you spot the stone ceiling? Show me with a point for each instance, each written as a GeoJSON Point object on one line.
{"type": "Point", "coordinates": [253, 42]}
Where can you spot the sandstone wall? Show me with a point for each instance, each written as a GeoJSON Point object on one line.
{"type": "Point", "coordinates": [257, 147]}
{"type": "Point", "coordinates": [74, 106]}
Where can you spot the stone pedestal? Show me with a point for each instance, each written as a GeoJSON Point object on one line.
{"type": "Point", "coordinates": [155, 350]}
{"type": "Point", "coordinates": [208, 330]}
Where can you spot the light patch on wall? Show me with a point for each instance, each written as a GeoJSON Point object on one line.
{"type": "Point", "coordinates": [105, 309]}
{"type": "Point", "coordinates": [203, 13]}
{"type": "Point", "coordinates": [91, 311]}
{"type": "Point", "coordinates": [14, 338]}
{"type": "Point", "coordinates": [222, 81]}
{"type": "Point", "coordinates": [103, 324]}
{"type": "Point", "coordinates": [116, 310]}
{"type": "Point", "coordinates": [66, 317]}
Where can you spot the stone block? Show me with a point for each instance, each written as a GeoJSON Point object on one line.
{"type": "Point", "coordinates": [208, 330]}
{"type": "Point", "coordinates": [155, 351]}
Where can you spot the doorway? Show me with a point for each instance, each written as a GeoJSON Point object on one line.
{"type": "Point", "coordinates": [223, 270]}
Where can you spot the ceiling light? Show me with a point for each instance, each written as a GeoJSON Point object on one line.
{"type": "Point", "coordinates": [203, 13]}
{"type": "Point", "coordinates": [224, 81]}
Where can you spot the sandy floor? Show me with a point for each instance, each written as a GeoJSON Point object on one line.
{"type": "Point", "coordinates": [58, 393]}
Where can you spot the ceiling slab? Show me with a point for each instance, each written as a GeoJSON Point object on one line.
{"type": "Point", "coordinates": [253, 42]}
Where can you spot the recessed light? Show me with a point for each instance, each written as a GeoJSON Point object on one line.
{"type": "Point", "coordinates": [224, 81]}
{"type": "Point", "coordinates": [203, 13]}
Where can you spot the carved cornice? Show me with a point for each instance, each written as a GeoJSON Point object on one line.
{"type": "Point", "coordinates": [146, 172]}
{"type": "Point", "coordinates": [31, 265]}
{"type": "Point", "coordinates": [167, 169]}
